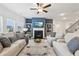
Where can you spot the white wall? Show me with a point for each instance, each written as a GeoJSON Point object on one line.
{"type": "Point", "coordinates": [59, 28]}
{"type": "Point", "coordinates": [5, 13]}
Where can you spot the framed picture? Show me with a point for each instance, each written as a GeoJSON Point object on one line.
{"type": "Point", "coordinates": [48, 27]}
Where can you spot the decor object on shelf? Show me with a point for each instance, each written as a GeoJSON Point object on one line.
{"type": "Point", "coordinates": [37, 40]}
{"type": "Point", "coordinates": [25, 30]}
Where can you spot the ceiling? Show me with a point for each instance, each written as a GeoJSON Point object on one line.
{"type": "Point", "coordinates": [67, 12]}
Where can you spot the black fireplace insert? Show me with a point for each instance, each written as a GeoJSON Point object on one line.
{"type": "Point", "coordinates": [38, 34]}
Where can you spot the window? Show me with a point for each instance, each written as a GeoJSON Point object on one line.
{"type": "Point", "coordinates": [18, 26]}
{"type": "Point", "coordinates": [1, 24]}
{"type": "Point", "coordinates": [10, 24]}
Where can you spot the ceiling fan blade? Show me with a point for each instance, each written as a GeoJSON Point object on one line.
{"type": "Point", "coordinates": [41, 4]}
{"type": "Point", "coordinates": [33, 8]}
{"type": "Point", "coordinates": [37, 12]}
{"type": "Point", "coordinates": [37, 4]}
{"type": "Point", "coordinates": [47, 6]}
{"type": "Point", "coordinates": [45, 11]}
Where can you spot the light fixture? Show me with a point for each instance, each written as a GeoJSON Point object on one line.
{"type": "Point", "coordinates": [57, 25]}
{"type": "Point", "coordinates": [40, 9]}
{"type": "Point", "coordinates": [76, 19]}
{"type": "Point", "coordinates": [64, 18]}
{"type": "Point", "coordinates": [25, 29]}
{"type": "Point", "coordinates": [67, 26]}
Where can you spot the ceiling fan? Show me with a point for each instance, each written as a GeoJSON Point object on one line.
{"type": "Point", "coordinates": [41, 7]}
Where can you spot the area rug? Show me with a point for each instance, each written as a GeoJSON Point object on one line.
{"type": "Point", "coordinates": [34, 49]}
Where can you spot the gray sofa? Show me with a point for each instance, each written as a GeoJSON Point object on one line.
{"type": "Point", "coordinates": [15, 47]}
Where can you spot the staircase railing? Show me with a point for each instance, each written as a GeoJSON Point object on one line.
{"type": "Point", "coordinates": [74, 27]}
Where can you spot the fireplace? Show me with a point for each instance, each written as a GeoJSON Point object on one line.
{"type": "Point", "coordinates": [38, 34]}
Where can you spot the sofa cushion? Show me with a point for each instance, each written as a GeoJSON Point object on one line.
{"type": "Point", "coordinates": [69, 36]}
{"type": "Point", "coordinates": [15, 48]}
{"type": "Point", "coordinates": [13, 39]}
{"type": "Point", "coordinates": [5, 41]}
{"type": "Point", "coordinates": [20, 35]}
{"type": "Point", "coordinates": [73, 44]}
{"type": "Point", "coordinates": [11, 35]}
{"type": "Point", "coordinates": [1, 47]}
{"type": "Point", "coordinates": [59, 35]}
{"type": "Point", "coordinates": [61, 49]}
{"type": "Point", "coordinates": [77, 53]}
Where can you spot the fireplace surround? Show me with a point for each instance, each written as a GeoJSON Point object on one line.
{"type": "Point", "coordinates": [38, 33]}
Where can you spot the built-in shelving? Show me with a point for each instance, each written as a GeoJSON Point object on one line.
{"type": "Point", "coordinates": [48, 25]}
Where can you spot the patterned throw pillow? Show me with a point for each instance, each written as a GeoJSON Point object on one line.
{"type": "Point", "coordinates": [12, 39]}
{"type": "Point", "coordinates": [1, 47]}
{"type": "Point", "coordinates": [5, 41]}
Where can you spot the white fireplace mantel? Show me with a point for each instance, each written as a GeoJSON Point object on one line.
{"type": "Point", "coordinates": [39, 29]}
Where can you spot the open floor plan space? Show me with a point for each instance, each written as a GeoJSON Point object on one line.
{"type": "Point", "coordinates": [39, 29]}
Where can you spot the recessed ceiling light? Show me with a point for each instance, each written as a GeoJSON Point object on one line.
{"type": "Point", "coordinates": [62, 14]}
{"type": "Point", "coordinates": [67, 26]}
{"type": "Point", "coordinates": [76, 19]}
{"type": "Point", "coordinates": [57, 25]}
{"type": "Point", "coordinates": [64, 18]}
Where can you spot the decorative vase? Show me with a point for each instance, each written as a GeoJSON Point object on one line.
{"type": "Point", "coordinates": [37, 40]}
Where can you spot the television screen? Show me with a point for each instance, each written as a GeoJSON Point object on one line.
{"type": "Point", "coordinates": [38, 24]}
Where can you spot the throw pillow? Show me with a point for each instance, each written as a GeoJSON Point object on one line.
{"type": "Point", "coordinates": [13, 39]}
{"type": "Point", "coordinates": [5, 42]}
{"type": "Point", "coordinates": [73, 44]}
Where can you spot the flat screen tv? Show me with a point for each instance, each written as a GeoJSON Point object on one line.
{"type": "Point", "coordinates": [38, 24]}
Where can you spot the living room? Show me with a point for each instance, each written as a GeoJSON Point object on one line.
{"type": "Point", "coordinates": [51, 30]}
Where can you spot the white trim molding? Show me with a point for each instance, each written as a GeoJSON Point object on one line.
{"type": "Point", "coordinates": [39, 29]}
